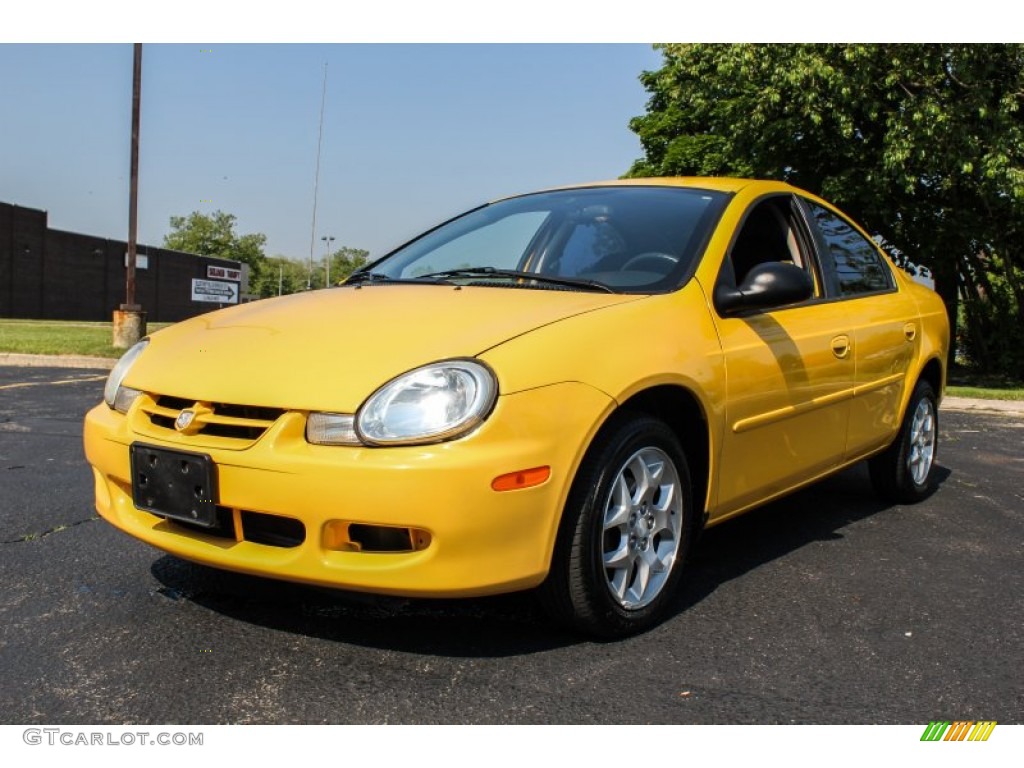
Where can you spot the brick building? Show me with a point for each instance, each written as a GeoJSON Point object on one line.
{"type": "Point", "coordinates": [54, 275]}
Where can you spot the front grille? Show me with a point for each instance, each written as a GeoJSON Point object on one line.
{"type": "Point", "coordinates": [257, 527]}
{"type": "Point", "coordinates": [272, 530]}
{"type": "Point", "coordinates": [228, 420]}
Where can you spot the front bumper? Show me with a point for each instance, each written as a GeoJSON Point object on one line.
{"type": "Point", "coordinates": [479, 541]}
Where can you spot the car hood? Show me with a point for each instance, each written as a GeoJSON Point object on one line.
{"type": "Point", "coordinates": [330, 349]}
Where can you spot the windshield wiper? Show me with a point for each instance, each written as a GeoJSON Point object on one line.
{"type": "Point", "coordinates": [487, 272]}
{"type": "Point", "coordinates": [365, 277]}
{"type": "Point", "coordinates": [358, 278]}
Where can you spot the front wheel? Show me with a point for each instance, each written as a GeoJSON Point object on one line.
{"type": "Point", "coordinates": [625, 531]}
{"type": "Point", "coordinates": [903, 473]}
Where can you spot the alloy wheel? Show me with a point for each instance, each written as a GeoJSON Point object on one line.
{"type": "Point", "coordinates": [642, 527]}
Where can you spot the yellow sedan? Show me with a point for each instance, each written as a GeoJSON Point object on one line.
{"type": "Point", "coordinates": [556, 390]}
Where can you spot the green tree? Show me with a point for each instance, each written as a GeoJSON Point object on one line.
{"type": "Point", "coordinates": [922, 143]}
{"type": "Point", "coordinates": [214, 235]}
{"type": "Point", "coordinates": [345, 261]}
{"type": "Point", "coordinates": [282, 275]}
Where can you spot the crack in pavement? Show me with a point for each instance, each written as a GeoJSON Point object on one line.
{"type": "Point", "coordinates": [55, 529]}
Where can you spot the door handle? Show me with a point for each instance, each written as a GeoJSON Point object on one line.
{"type": "Point", "coordinates": [910, 331]}
{"type": "Point", "coordinates": [841, 346]}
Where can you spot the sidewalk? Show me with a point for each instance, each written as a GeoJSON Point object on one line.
{"type": "Point", "coordinates": [982, 406]}
{"type": "Point", "coordinates": [56, 361]}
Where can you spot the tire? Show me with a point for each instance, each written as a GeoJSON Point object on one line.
{"type": "Point", "coordinates": [905, 472]}
{"type": "Point", "coordinates": [623, 538]}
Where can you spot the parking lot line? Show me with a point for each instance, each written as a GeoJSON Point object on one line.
{"type": "Point", "coordinates": [20, 384]}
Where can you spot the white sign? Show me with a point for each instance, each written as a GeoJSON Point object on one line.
{"type": "Point", "coordinates": [214, 291]}
{"type": "Point", "coordinates": [223, 273]}
{"type": "Point", "coordinates": [141, 262]}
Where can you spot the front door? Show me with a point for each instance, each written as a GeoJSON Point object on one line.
{"type": "Point", "coordinates": [789, 372]}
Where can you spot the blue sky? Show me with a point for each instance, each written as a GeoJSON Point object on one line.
{"type": "Point", "coordinates": [412, 133]}
{"type": "Point", "coordinates": [431, 107]}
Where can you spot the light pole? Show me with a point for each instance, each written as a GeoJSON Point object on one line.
{"type": "Point", "coordinates": [328, 239]}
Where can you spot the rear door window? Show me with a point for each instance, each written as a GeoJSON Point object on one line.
{"type": "Point", "coordinates": [856, 265]}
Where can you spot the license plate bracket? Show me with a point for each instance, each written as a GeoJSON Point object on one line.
{"type": "Point", "coordinates": [177, 484]}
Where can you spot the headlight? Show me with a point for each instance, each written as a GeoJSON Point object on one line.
{"type": "Point", "coordinates": [436, 402]}
{"type": "Point", "coordinates": [117, 397]}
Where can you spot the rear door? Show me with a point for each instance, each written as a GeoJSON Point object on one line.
{"type": "Point", "coordinates": [885, 326]}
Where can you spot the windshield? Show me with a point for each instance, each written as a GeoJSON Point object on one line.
{"type": "Point", "coordinates": [628, 239]}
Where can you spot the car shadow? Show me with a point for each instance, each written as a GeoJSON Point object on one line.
{"type": "Point", "coordinates": [502, 625]}
{"type": "Point", "coordinates": [816, 513]}
{"type": "Point", "coordinates": [512, 625]}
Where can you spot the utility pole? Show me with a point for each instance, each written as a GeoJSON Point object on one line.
{"type": "Point", "coordinates": [316, 179]}
{"type": "Point", "coordinates": [130, 320]}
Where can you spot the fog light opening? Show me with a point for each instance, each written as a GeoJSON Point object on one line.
{"type": "Point", "coordinates": [524, 478]}
{"type": "Point", "coordinates": [344, 536]}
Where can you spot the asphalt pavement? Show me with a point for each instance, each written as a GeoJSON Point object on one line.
{"type": "Point", "coordinates": [826, 607]}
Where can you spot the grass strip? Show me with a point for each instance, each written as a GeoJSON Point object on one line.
{"type": "Point", "coordinates": [51, 337]}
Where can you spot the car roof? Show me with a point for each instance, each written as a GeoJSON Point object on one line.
{"type": "Point", "coordinates": [726, 184]}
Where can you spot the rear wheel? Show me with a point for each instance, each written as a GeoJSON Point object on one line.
{"type": "Point", "coordinates": [625, 531]}
{"type": "Point", "coordinates": [904, 472]}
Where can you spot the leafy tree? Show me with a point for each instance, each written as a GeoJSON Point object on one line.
{"type": "Point", "coordinates": [281, 276]}
{"type": "Point", "coordinates": [922, 143]}
{"type": "Point", "coordinates": [214, 235]}
{"type": "Point", "coordinates": [345, 261]}
{"type": "Point", "coordinates": [284, 275]}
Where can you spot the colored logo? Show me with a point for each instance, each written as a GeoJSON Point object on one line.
{"type": "Point", "coordinates": [959, 730]}
{"type": "Point", "coordinates": [184, 419]}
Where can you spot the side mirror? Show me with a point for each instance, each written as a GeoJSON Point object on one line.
{"type": "Point", "coordinates": [768, 285]}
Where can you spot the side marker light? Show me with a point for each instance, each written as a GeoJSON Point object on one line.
{"type": "Point", "coordinates": [524, 478]}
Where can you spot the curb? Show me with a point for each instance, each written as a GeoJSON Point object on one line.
{"type": "Point", "coordinates": [56, 361]}
{"type": "Point", "coordinates": [976, 405]}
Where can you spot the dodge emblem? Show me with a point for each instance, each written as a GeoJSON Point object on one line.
{"type": "Point", "coordinates": [184, 419]}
